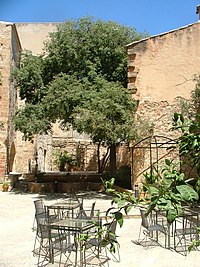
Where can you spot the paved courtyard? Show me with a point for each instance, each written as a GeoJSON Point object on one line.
{"type": "Point", "coordinates": [17, 237]}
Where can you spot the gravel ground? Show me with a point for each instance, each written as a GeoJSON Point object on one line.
{"type": "Point", "coordinates": [17, 237]}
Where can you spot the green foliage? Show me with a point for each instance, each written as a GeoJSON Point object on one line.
{"type": "Point", "coordinates": [189, 141]}
{"type": "Point", "coordinates": [108, 185]}
{"type": "Point", "coordinates": [30, 77]}
{"type": "Point", "coordinates": [5, 183]}
{"type": "Point", "coordinates": [80, 80]}
{"type": "Point", "coordinates": [65, 159]}
{"type": "Point", "coordinates": [122, 202]}
{"type": "Point", "coordinates": [106, 113]}
{"type": "Point", "coordinates": [32, 120]}
{"type": "Point", "coordinates": [195, 243]}
{"type": "Point", "coordinates": [89, 48]}
{"type": "Point", "coordinates": [168, 190]}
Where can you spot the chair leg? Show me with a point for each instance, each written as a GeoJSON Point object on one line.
{"type": "Point", "coordinates": [34, 222]}
{"type": "Point", "coordinates": [138, 241]}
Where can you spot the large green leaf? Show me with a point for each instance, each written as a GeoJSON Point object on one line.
{"type": "Point", "coordinates": [187, 193]}
{"type": "Point", "coordinates": [171, 215]}
{"type": "Point", "coordinates": [119, 218]}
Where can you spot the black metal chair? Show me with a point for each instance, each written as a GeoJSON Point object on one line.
{"type": "Point", "coordinates": [150, 227]}
{"type": "Point", "coordinates": [86, 213]}
{"type": "Point", "coordinates": [103, 246]}
{"type": "Point", "coordinates": [185, 231]}
{"type": "Point", "coordinates": [52, 244]}
{"type": "Point", "coordinates": [44, 244]}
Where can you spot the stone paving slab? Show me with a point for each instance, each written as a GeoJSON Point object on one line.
{"type": "Point", "coordinates": [17, 238]}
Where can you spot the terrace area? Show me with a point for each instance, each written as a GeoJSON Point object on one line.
{"type": "Point", "coordinates": [17, 237]}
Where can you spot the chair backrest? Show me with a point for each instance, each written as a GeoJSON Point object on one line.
{"type": "Point", "coordinates": [42, 226]}
{"type": "Point", "coordinates": [86, 213]}
{"type": "Point", "coordinates": [39, 206]}
{"type": "Point", "coordinates": [111, 229]}
{"type": "Point", "coordinates": [92, 210]}
{"type": "Point", "coordinates": [145, 223]}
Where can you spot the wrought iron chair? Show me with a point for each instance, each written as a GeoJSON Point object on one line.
{"type": "Point", "coordinates": [68, 248]}
{"type": "Point", "coordinates": [86, 213]}
{"type": "Point", "coordinates": [40, 209]}
{"type": "Point", "coordinates": [43, 248]}
{"type": "Point", "coordinates": [51, 244]}
{"type": "Point", "coordinates": [100, 248]}
{"type": "Point", "coordinates": [150, 227]}
{"type": "Point", "coordinates": [185, 231]}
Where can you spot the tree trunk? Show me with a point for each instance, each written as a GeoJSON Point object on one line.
{"type": "Point", "coordinates": [113, 165]}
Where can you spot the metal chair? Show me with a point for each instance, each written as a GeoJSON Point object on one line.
{"type": "Point", "coordinates": [43, 246]}
{"type": "Point", "coordinates": [185, 231]}
{"type": "Point", "coordinates": [150, 227]}
{"type": "Point", "coordinates": [100, 248]}
{"type": "Point", "coordinates": [40, 209]}
{"type": "Point", "coordinates": [86, 213]}
{"type": "Point", "coordinates": [51, 244]}
{"type": "Point", "coordinates": [68, 248]}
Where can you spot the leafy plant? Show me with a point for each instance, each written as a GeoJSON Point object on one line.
{"type": "Point", "coordinates": [64, 159]}
{"type": "Point", "coordinates": [195, 243]}
{"type": "Point", "coordinates": [122, 202]}
{"type": "Point", "coordinates": [169, 191]}
{"type": "Point", "coordinates": [189, 143]}
{"type": "Point", "coordinates": [5, 186]}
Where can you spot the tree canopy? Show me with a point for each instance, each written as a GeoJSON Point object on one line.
{"type": "Point", "coordinates": [80, 80]}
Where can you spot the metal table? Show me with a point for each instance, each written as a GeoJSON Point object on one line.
{"type": "Point", "coordinates": [63, 209]}
{"type": "Point", "coordinates": [75, 226]}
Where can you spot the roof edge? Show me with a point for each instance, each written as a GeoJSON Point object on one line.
{"type": "Point", "coordinates": [6, 23]}
{"type": "Point", "coordinates": [161, 34]}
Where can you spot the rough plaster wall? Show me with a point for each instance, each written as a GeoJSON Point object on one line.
{"type": "Point", "coordinates": [161, 69]}
{"type": "Point", "coordinates": [25, 154]}
{"type": "Point", "coordinates": [166, 64]}
{"type": "Point", "coordinates": [32, 35]}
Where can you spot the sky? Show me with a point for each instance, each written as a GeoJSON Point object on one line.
{"type": "Point", "coordinates": [152, 16]}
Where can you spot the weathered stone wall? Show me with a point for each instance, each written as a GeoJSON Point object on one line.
{"type": "Point", "coordinates": [14, 152]}
{"type": "Point", "coordinates": [5, 65]}
{"type": "Point", "coordinates": [161, 70]}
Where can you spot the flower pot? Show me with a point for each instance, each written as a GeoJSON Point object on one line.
{"type": "Point", "coordinates": [5, 188]}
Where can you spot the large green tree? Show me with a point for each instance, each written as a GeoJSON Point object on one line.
{"type": "Point", "coordinates": [81, 81]}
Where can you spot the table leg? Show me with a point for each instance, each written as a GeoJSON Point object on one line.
{"type": "Point", "coordinates": [51, 253]}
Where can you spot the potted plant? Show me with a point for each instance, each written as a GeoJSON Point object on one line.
{"type": "Point", "coordinates": [72, 162]}
{"type": "Point", "coordinates": [64, 161]}
{"type": "Point", "coordinates": [5, 186]}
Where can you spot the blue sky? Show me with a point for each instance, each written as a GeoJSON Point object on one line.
{"type": "Point", "coordinates": [153, 16]}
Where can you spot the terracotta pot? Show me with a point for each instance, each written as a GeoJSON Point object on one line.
{"type": "Point", "coordinates": [5, 188]}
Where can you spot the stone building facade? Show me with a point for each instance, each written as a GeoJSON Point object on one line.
{"type": "Point", "coordinates": [10, 49]}
{"type": "Point", "coordinates": [161, 69]}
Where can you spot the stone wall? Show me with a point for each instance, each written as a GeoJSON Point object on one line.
{"type": "Point", "coordinates": [5, 86]}
{"type": "Point", "coordinates": [160, 71]}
